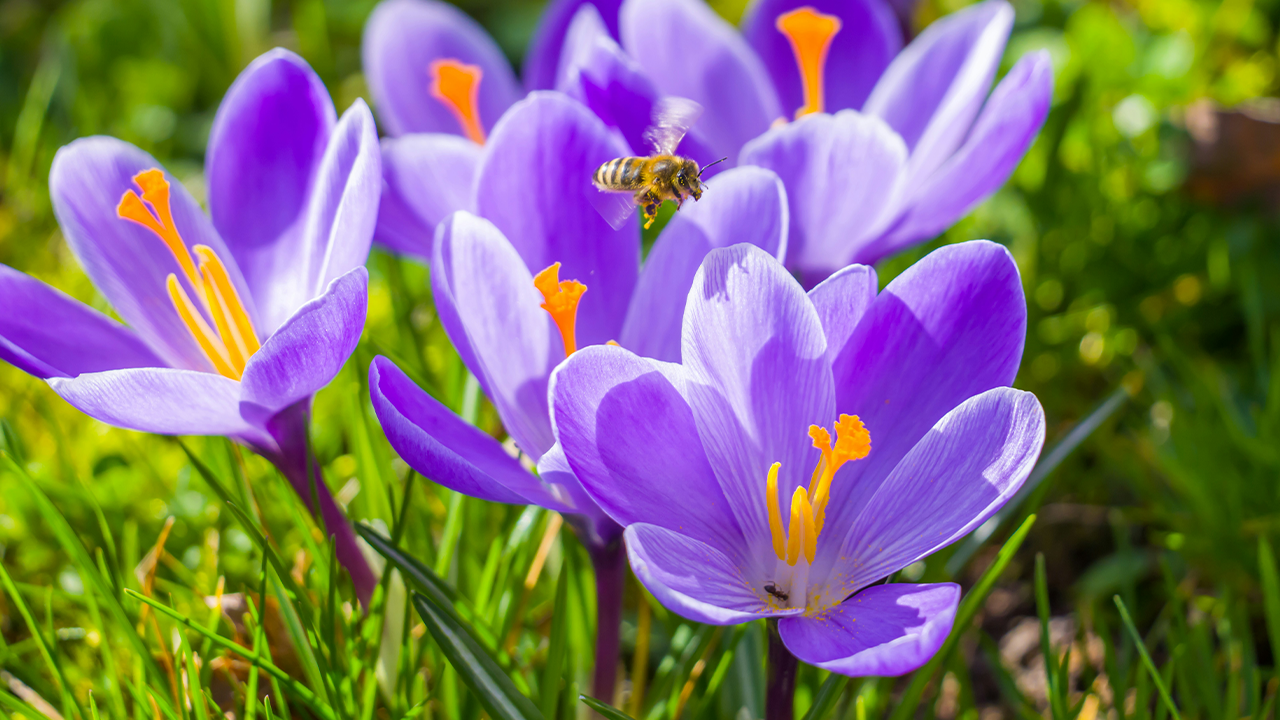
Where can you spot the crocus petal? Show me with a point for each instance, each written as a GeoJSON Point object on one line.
{"type": "Point", "coordinates": [841, 301]}
{"type": "Point", "coordinates": [690, 52]}
{"type": "Point", "coordinates": [883, 631]}
{"type": "Point", "coordinates": [438, 444]}
{"type": "Point", "coordinates": [127, 262]}
{"type": "Point", "coordinates": [48, 334]}
{"type": "Point", "coordinates": [511, 340]}
{"type": "Point", "coordinates": [425, 178]}
{"type": "Point", "coordinates": [596, 72]}
{"type": "Point", "coordinates": [869, 37]}
{"type": "Point", "coordinates": [758, 377]}
{"type": "Point", "coordinates": [957, 476]}
{"type": "Point", "coordinates": [402, 38]}
{"type": "Point", "coordinates": [266, 144]}
{"type": "Point", "coordinates": [933, 90]}
{"type": "Point", "coordinates": [949, 327]}
{"type": "Point", "coordinates": [840, 171]}
{"type": "Point", "coordinates": [340, 217]}
{"type": "Point", "coordinates": [558, 477]}
{"type": "Point", "coordinates": [1000, 137]}
{"type": "Point", "coordinates": [545, 54]}
{"type": "Point", "coordinates": [534, 184]}
{"type": "Point", "coordinates": [309, 348]}
{"type": "Point", "coordinates": [168, 401]}
{"type": "Point", "coordinates": [746, 205]}
{"type": "Point", "coordinates": [692, 578]}
{"type": "Point", "coordinates": [631, 440]}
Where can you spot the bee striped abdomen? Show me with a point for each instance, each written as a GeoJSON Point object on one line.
{"type": "Point", "coordinates": [621, 174]}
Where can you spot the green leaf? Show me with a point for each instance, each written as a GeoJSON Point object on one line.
{"type": "Point", "coordinates": [554, 671]}
{"type": "Point", "coordinates": [606, 710]}
{"type": "Point", "coordinates": [825, 701]}
{"type": "Point", "coordinates": [1270, 590]}
{"type": "Point", "coordinates": [296, 688]}
{"type": "Point", "coordinates": [1161, 686]}
{"type": "Point", "coordinates": [1056, 701]}
{"type": "Point", "coordinates": [474, 666]}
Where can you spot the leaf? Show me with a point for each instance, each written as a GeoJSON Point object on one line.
{"type": "Point", "coordinates": [608, 711]}
{"type": "Point", "coordinates": [825, 701]}
{"type": "Point", "coordinates": [554, 671]}
{"type": "Point", "coordinates": [1270, 590]}
{"type": "Point", "coordinates": [1146, 658]}
{"type": "Point", "coordinates": [474, 666]}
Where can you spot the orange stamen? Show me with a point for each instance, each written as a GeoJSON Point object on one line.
{"type": "Point", "coordinates": [235, 341]}
{"type": "Point", "coordinates": [810, 33]}
{"type": "Point", "coordinates": [240, 327]}
{"type": "Point", "coordinates": [155, 190]}
{"type": "Point", "coordinates": [853, 442]}
{"type": "Point", "coordinates": [200, 330]}
{"type": "Point", "coordinates": [561, 303]}
{"type": "Point", "coordinates": [809, 509]}
{"type": "Point", "coordinates": [457, 85]}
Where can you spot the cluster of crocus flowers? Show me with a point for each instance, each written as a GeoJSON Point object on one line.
{"type": "Point", "coordinates": [535, 274]}
{"type": "Point", "coordinates": [880, 146]}
{"type": "Point", "coordinates": [719, 448]}
{"type": "Point", "coordinates": [233, 320]}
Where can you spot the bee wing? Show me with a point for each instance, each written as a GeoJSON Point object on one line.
{"type": "Point", "coordinates": [672, 118]}
{"type": "Point", "coordinates": [614, 207]}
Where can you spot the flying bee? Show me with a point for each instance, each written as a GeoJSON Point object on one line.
{"type": "Point", "coordinates": [658, 177]}
{"type": "Point", "coordinates": [776, 591]}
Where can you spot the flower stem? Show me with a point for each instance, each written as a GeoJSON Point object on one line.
{"type": "Point", "coordinates": [610, 562]}
{"type": "Point", "coordinates": [780, 685]}
{"type": "Point", "coordinates": [299, 465]}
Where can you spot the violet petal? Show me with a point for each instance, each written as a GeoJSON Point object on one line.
{"type": "Point", "coordinates": [265, 148]}
{"type": "Point", "coordinates": [47, 333]}
{"type": "Point", "coordinates": [883, 631]}
{"type": "Point", "coordinates": [401, 40]}
{"type": "Point", "coordinates": [425, 178]}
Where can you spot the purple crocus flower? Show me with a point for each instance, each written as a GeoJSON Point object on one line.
{"type": "Point", "coordinates": [496, 278]}
{"type": "Point", "coordinates": [892, 144]}
{"type": "Point", "coordinates": [233, 320]}
{"type": "Point", "coordinates": [705, 461]}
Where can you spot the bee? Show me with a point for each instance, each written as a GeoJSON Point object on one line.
{"type": "Point", "coordinates": [658, 177]}
{"type": "Point", "coordinates": [776, 591]}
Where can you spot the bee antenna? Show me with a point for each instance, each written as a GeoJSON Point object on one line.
{"type": "Point", "coordinates": [704, 169]}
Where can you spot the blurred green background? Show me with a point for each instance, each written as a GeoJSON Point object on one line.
{"type": "Point", "coordinates": [1144, 224]}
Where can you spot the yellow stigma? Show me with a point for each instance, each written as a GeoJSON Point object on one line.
{"type": "Point", "coordinates": [810, 33]}
{"type": "Point", "coordinates": [234, 340]}
{"type": "Point", "coordinates": [561, 303]}
{"type": "Point", "coordinates": [809, 508]}
{"type": "Point", "coordinates": [457, 85]}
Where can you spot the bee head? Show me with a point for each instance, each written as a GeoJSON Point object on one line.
{"type": "Point", "coordinates": [687, 181]}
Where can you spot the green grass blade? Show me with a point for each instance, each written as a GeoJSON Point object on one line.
{"type": "Point", "coordinates": [1270, 580]}
{"type": "Point", "coordinates": [825, 701]}
{"type": "Point", "coordinates": [474, 666]}
{"type": "Point", "coordinates": [554, 671]}
{"type": "Point", "coordinates": [89, 573]}
{"type": "Point", "coordinates": [1161, 686]}
{"type": "Point", "coordinates": [42, 643]}
{"type": "Point", "coordinates": [964, 618]}
{"type": "Point", "coordinates": [605, 709]}
{"type": "Point", "coordinates": [1057, 703]}
{"type": "Point", "coordinates": [296, 688]}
